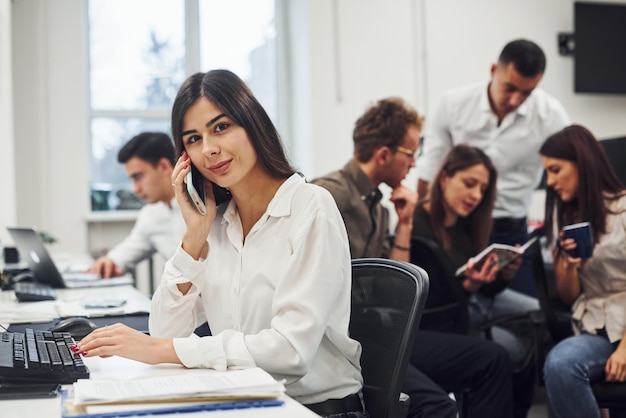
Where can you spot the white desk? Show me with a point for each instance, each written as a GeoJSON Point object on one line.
{"type": "Point", "coordinates": [13, 312]}
{"type": "Point", "coordinates": [116, 367]}
{"type": "Point", "coordinates": [119, 368]}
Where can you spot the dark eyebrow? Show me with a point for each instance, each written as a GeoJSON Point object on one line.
{"type": "Point", "coordinates": [209, 123]}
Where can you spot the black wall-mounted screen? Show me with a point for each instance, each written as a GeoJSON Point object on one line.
{"type": "Point", "coordinates": [600, 51]}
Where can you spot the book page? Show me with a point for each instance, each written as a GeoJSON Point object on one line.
{"type": "Point", "coordinates": [506, 253]}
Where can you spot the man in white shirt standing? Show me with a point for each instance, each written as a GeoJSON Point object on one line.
{"type": "Point", "coordinates": [509, 118]}
{"type": "Point", "coordinates": [149, 160]}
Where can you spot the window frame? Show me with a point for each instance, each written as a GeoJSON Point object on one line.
{"type": "Point", "coordinates": [192, 65]}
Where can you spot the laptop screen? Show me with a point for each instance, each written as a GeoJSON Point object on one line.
{"type": "Point", "coordinates": [33, 251]}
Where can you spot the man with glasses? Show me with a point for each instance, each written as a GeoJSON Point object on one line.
{"type": "Point", "coordinates": [386, 139]}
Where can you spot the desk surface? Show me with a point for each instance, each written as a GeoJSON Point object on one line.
{"type": "Point", "coordinates": [120, 368]}
{"type": "Point", "coordinates": [114, 367]}
{"type": "Point", "coordinates": [14, 312]}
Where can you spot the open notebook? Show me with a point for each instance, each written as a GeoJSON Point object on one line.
{"type": "Point", "coordinates": [33, 251]}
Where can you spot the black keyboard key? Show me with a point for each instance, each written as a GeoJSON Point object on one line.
{"type": "Point", "coordinates": [31, 348]}
{"type": "Point", "coordinates": [6, 350]}
{"type": "Point", "coordinates": [44, 358]}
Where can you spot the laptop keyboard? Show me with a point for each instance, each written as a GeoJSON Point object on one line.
{"type": "Point", "coordinates": [33, 292]}
{"type": "Point", "coordinates": [40, 356]}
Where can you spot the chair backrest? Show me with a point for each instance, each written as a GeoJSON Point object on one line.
{"type": "Point", "coordinates": [557, 314]}
{"type": "Point", "coordinates": [388, 297]}
{"type": "Point", "coordinates": [446, 307]}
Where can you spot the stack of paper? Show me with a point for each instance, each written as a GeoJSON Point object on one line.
{"type": "Point", "coordinates": [253, 383]}
{"type": "Point", "coordinates": [97, 307]}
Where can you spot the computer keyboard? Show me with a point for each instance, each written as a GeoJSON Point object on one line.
{"type": "Point", "coordinates": [40, 356]}
{"type": "Point", "coordinates": [33, 292]}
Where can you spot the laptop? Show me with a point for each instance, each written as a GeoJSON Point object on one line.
{"type": "Point", "coordinates": [33, 251]}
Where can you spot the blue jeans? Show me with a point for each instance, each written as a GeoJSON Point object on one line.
{"type": "Point", "coordinates": [483, 309]}
{"type": "Point", "coordinates": [568, 371]}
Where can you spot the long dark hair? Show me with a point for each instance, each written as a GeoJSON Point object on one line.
{"type": "Point", "coordinates": [596, 181]}
{"type": "Point", "coordinates": [478, 223]}
{"type": "Point", "coordinates": [231, 95]}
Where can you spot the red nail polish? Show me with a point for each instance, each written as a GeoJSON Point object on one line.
{"type": "Point", "coordinates": [84, 353]}
{"type": "Point", "coordinates": [74, 348]}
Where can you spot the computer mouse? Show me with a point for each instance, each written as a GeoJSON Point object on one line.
{"type": "Point", "coordinates": [77, 326]}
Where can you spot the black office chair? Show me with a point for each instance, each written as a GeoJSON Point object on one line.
{"type": "Point", "coordinates": [609, 395]}
{"type": "Point", "coordinates": [388, 298]}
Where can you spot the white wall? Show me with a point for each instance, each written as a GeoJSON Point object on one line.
{"type": "Point", "coordinates": [7, 160]}
{"type": "Point", "coordinates": [347, 54]}
{"type": "Point", "coordinates": [50, 118]}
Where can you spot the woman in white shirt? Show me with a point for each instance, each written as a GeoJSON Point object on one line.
{"type": "Point", "coordinates": [269, 268]}
{"type": "Point", "coordinates": [583, 188]}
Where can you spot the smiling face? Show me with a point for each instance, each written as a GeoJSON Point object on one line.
{"type": "Point", "coordinates": [509, 89]}
{"type": "Point", "coordinates": [463, 191]}
{"type": "Point", "coordinates": [218, 147]}
{"type": "Point", "coordinates": [562, 177]}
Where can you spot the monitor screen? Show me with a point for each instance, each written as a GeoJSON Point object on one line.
{"type": "Point", "coordinates": [615, 149]}
{"type": "Point", "coordinates": [600, 51]}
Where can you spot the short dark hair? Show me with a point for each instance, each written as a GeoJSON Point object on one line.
{"type": "Point", "coordinates": [383, 124]}
{"type": "Point", "coordinates": [596, 181]}
{"type": "Point", "coordinates": [478, 223]}
{"type": "Point", "coordinates": [231, 95]}
{"type": "Point", "coordinates": [527, 57]}
{"type": "Point", "coordinates": [150, 147]}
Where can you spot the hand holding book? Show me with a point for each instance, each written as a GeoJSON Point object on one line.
{"type": "Point", "coordinates": [480, 273]}
{"type": "Point", "coordinates": [505, 254]}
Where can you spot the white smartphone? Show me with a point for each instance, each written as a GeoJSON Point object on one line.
{"type": "Point", "coordinates": [193, 194]}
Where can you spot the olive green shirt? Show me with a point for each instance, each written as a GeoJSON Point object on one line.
{"type": "Point", "coordinates": [367, 221]}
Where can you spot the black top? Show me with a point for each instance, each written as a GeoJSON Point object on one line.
{"type": "Point", "coordinates": [461, 246]}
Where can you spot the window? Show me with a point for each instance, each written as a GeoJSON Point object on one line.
{"type": "Point", "coordinates": [141, 51]}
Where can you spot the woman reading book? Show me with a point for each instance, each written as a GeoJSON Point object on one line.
{"type": "Point", "coordinates": [458, 217]}
{"type": "Point", "coordinates": [269, 268]}
{"type": "Point", "coordinates": [581, 187]}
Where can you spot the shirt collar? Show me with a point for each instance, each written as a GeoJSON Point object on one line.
{"type": "Point", "coordinates": [279, 206]}
{"type": "Point", "coordinates": [369, 194]}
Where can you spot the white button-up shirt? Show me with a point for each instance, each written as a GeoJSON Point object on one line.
{"type": "Point", "coordinates": [158, 229]}
{"type": "Point", "coordinates": [465, 116]}
{"type": "Point", "coordinates": [279, 301]}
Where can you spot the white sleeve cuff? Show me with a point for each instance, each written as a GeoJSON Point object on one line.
{"type": "Point", "coordinates": [205, 352]}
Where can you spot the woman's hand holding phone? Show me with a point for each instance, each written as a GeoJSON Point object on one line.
{"type": "Point", "coordinates": [198, 225]}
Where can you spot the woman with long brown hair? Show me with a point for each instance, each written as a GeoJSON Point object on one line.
{"type": "Point", "coordinates": [581, 187]}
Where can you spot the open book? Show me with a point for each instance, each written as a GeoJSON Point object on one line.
{"type": "Point", "coordinates": [505, 253]}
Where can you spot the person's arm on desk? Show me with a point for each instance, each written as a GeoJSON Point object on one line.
{"type": "Point", "coordinates": [126, 342]}
{"type": "Point", "coordinates": [123, 341]}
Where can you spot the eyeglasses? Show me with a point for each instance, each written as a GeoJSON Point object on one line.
{"type": "Point", "coordinates": [406, 151]}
